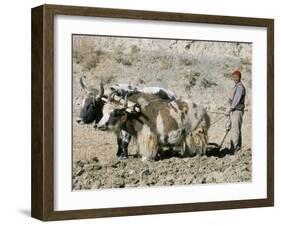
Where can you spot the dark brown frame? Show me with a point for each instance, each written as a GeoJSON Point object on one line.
{"type": "Point", "coordinates": [42, 202]}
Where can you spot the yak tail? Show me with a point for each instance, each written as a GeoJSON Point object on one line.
{"type": "Point", "coordinates": [196, 142]}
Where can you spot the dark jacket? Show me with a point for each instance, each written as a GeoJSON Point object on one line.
{"type": "Point", "coordinates": [238, 100]}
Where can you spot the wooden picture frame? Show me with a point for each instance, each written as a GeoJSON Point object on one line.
{"type": "Point", "coordinates": [42, 203]}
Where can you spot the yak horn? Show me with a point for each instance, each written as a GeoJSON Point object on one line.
{"type": "Point", "coordinates": [101, 91]}
{"type": "Point", "coordinates": [111, 95]}
{"type": "Point", "coordinates": [82, 82]}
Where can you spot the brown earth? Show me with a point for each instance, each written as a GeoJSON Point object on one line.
{"type": "Point", "coordinates": [196, 70]}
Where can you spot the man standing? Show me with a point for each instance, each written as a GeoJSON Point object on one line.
{"type": "Point", "coordinates": [236, 112]}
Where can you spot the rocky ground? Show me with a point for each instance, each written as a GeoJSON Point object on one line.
{"type": "Point", "coordinates": [91, 174]}
{"type": "Point", "coordinates": [196, 70]}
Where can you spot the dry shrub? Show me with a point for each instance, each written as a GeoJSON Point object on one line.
{"type": "Point", "coordinates": [77, 56]}
{"type": "Point", "coordinates": [92, 59]}
{"type": "Point", "coordinates": [185, 61]}
{"type": "Point", "coordinates": [191, 78]}
{"type": "Point", "coordinates": [246, 61]}
{"type": "Point", "coordinates": [90, 63]}
{"type": "Point", "coordinates": [127, 59]}
{"type": "Point", "coordinates": [141, 81]}
{"type": "Point", "coordinates": [135, 49]}
{"type": "Point", "coordinates": [207, 84]}
{"type": "Point", "coordinates": [165, 63]}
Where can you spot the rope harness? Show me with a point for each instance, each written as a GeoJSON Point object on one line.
{"type": "Point", "coordinates": [227, 124]}
{"type": "Point", "coordinates": [218, 119]}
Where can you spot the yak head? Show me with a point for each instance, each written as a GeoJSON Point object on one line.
{"type": "Point", "coordinates": [92, 104]}
{"type": "Point", "coordinates": [115, 115]}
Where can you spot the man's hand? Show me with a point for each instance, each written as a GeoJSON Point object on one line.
{"type": "Point", "coordinates": [228, 124]}
{"type": "Point", "coordinates": [228, 112]}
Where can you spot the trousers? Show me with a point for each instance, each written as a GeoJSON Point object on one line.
{"type": "Point", "coordinates": [235, 132]}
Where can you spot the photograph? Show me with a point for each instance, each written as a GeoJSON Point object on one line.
{"type": "Point", "coordinates": [138, 112]}
{"type": "Point", "coordinates": [152, 112]}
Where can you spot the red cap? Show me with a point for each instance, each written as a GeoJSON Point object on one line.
{"type": "Point", "coordinates": [236, 72]}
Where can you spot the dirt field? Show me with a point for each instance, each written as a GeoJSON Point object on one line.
{"type": "Point", "coordinates": [196, 70]}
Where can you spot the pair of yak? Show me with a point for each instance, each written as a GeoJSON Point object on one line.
{"type": "Point", "coordinates": [155, 117]}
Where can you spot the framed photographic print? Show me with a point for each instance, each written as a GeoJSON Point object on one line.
{"type": "Point", "coordinates": [141, 112]}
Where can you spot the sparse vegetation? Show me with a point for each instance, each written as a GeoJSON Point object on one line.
{"type": "Point", "coordinates": [124, 59]}
{"type": "Point", "coordinates": [165, 63]}
{"type": "Point", "coordinates": [207, 84]}
{"type": "Point", "coordinates": [246, 61]}
{"type": "Point", "coordinates": [191, 79]}
{"type": "Point", "coordinates": [88, 59]}
{"type": "Point", "coordinates": [127, 59]}
{"type": "Point", "coordinates": [185, 61]}
{"type": "Point", "coordinates": [188, 45]}
{"type": "Point", "coordinates": [141, 81]}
